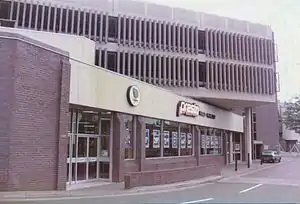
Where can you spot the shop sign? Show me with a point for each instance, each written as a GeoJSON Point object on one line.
{"type": "Point", "coordinates": [191, 110]}
{"type": "Point", "coordinates": [133, 95]}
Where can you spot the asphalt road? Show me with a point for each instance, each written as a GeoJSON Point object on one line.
{"type": "Point", "coordinates": [280, 183]}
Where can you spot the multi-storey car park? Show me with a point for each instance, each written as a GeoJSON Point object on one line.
{"type": "Point", "coordinates": [208, 71]}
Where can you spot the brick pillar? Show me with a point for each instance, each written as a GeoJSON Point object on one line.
{"type": "Point", "coordinates": [118, 153]}
{"type": "Point", "coordinates": [63, 112]}
{"type": "Point", "coordinates": [140, 143]}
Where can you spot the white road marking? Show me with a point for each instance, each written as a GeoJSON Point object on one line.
{"type": "Point", "coordinates": [197, 201]}
{"type": "Point", "coordinates": [251, 188]}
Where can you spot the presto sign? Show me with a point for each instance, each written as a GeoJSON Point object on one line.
{"type": "Point", "coordinates": [191, 110]}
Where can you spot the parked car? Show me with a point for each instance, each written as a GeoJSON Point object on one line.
{"type": "Point", "coordinates": [270, 156]}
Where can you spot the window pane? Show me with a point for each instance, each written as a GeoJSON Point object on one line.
{"type": "Point", "coordinates": [186, 139]}
{"type": "Point", "coordinates": [152, 137]}
{"type": "Point", "coordinates": [129, 142]}
{"type": "Point", "coordinates": [170, 138]}
{"type": "Point", "coordinates": [203, 140]}
{"type": "Point", "coordinates": [214, 141]}
{"type": "Point", "coordinates": [88, 122]}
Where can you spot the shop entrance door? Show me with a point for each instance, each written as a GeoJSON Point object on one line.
{"type": "Point", "coordinates": [90, 154]}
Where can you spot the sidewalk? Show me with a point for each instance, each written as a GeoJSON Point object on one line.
{"type": "Point", "coordinates": [117, 189]}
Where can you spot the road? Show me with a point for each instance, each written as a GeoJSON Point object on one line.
{"type": "Point", "coordinates": [280, 183]}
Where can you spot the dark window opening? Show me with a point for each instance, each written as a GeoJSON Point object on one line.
{"type": "Point", "coordinates": [113, 27]}
{"type": "Point", "coordinates": [132, 29]}
{"type": "Point", "coordinates": [148, 26]}
{"type": "Point", "coordinates": [146, 69]}
{"type": "Point", "coordinates": [201, 40]}
{"type": "Point", "coordinates": [102, 59]}
{"type": "Point", "coordinates": [181, 36]}
{"type": "Point", "coordinates": [112, 61]}
{"type": "Point", "coordinates": [161, 67]}
{"type": "Point", "coordinates": [69, 17]}
{"type": "Point", "coordinates": [76, 15]}
{"type": "Point", "coordinates": [56, 26]}
{"type": "Point", "coordinates": [81, 23]}
{"type": "Point", "coordinates": [152, 32]}
{"type": "Point", "coordinates": [138, 29]}
{"type": "Point", "coordinates": [176, 36]}
{"type": "Point", "coordinates": [168, 76]}
{"type": "Point", "coordinates": [64, 20]}
{"type": "Point", "coordinates": [143, 69]}
{"type": "Point", "coordinates": [202, 72]}
{"type": "Point", "coordinates": [187, 38]}
{"type": "Point", "coordinates": [190, 33]}
{"type": "Point", "coordinates": [87, 24]}
{"type": "Point", "coordinates": [173, 68]}
{"type": "Point", "coordinates": [5, 9]}
{"type": "Point", "coordinates": [143, 32]}
{"type": "Point", "coordinates": [126, 64]}
{"type": "Point", "coordinates": [121, 56]}
{"type": "Point", "coordinates": [51, 27]}
{"type": "Point", "coordinates": [104, 26]}
{"type": "Point", "coordinates": [97, 60]}
{"type": "Point", "coordinates": [190, 62]}
{"type": "Point", "coordinates": [234, 46]}
{"type": "Point", "coordinates": [162, 34]}
{"type": "Point", "coordinates": [157, 60]}
{"type": "Point", "coordinates": [27, 14]}
{"type": "Point", "coordinates": [131, 71]}
{"type": "Point", "coordinates": [137, 56]}
{"type": "Point", "coordinates": [15, 10]}
{"type": "Point", "coordinates": [195, 62]}
{"type": "Point", "coordinates": [122, 28]}
{"type": "Point", "coordinates": [167, 35]}
{"type": "Point", "coordinates": [127, 29]}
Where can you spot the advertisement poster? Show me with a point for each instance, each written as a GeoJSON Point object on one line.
{"type": "Point", "coordinates": [166, 139]}
{"type": "Point", "coordinates": [174, 140]}
{"type": "Point", "coordinates": [183, 140]}
{"type": "Point", "coordinates": [147, 138]}
{"type": "Point", "coordinates": [128, 141]}
{"type": "Point", "coordinates": [156, 140]}
{"type": "Point", "coordinates": [189, 140]}
{"type": "Point", "coordinates": [208, 141]}
{"type": "Point", "coordinates": [203, 141]}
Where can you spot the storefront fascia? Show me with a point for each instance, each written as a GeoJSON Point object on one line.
{"type": "Point", "coordinates": [103, 89]}
{"type": "Point", "coordinates": [100, 89]}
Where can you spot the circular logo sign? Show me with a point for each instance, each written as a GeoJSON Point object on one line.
{"type": "Point", "coordinates": [133, 95]}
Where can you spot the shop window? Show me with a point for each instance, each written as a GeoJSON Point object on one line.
{"type": "Point", "coordinates": [171, 140]}
{"type": "Point", "coordinates": [152, 138]}
{"type": "Point", "coordinates": [129, 137]}
{"type": "Point", "coordinates": [186, 140]}
{"type": "Point", "coordinates": [211, 142]}
{"type": "Point", "coordinates": [88, 122]}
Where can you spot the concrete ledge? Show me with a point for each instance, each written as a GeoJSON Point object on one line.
{"type": "Point", "coordinates": [168, 176]}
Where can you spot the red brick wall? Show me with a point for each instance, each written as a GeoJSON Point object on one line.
{"type": "Point", "coordinates": [38, 93]}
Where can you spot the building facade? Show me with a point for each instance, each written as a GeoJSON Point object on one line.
{"type": "Point", "coordinates": [228, 65]}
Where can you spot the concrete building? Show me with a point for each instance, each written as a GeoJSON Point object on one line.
{"type": "Point", "coordinates": [149, 92]}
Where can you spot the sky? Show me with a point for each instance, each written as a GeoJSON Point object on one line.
{"type": "Point", "coordinates": [281, 15]}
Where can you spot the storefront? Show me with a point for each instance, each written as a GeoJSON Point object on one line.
{"type": "Point", "coordinates": [135, 132]}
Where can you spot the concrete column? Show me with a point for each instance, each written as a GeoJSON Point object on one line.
{"type": "Point", "coordinates": [247, 134]}
{"type": "Point", "coordinates": [231, 147]}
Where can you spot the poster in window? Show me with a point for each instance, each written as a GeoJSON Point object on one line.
{"type": "Point", "coordinates": [174, 140]}
{"type": "Point", "coordinates": [208, 141]}
{"type": "Point", "coordinates": [156, 140]}
{"type": "Point", "coordinates": [189, 140]}
{"type": "Point", "coordinates": [183, 140]}
{"type": "Point", "coordinates": [203, 141]}
{"type": "Point", "coordinates": [147, 138]}
{"type": "Point", "coordinates": [128, 140]}
{"type": "Point", "coordinates": [166, 139]}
